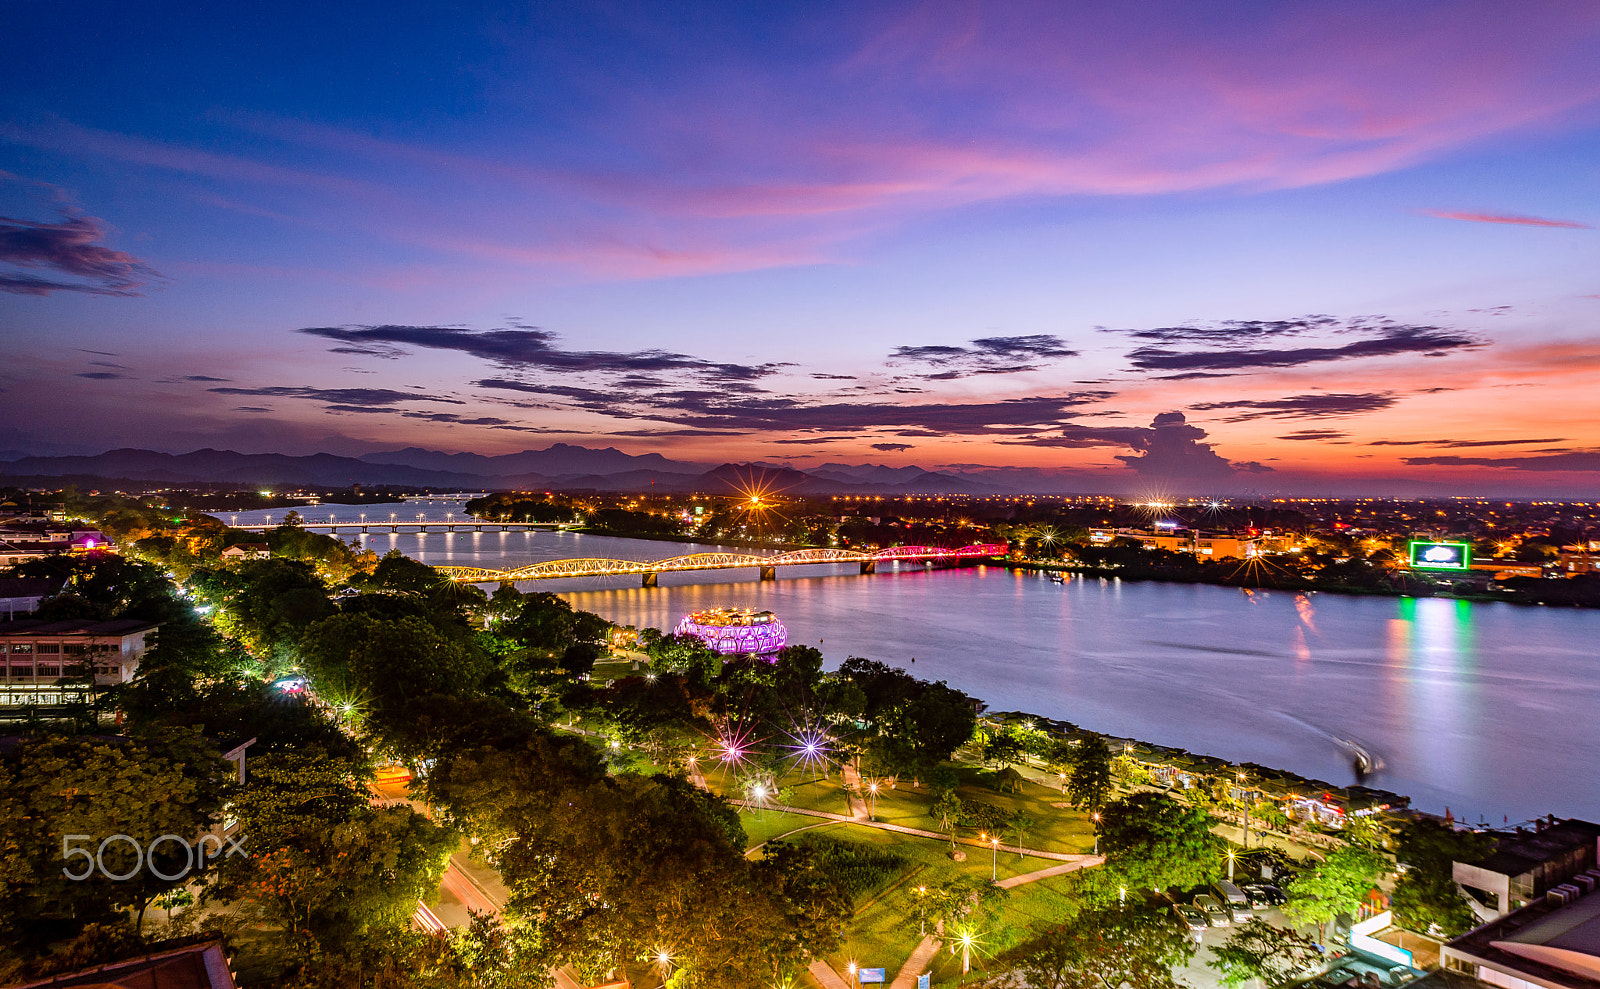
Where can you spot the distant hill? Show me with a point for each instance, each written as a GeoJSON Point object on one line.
{"type": "Point", "coordinates": [557, 461]}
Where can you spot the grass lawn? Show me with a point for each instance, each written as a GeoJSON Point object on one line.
{"type": "Point", "coordinates": [884, 933]}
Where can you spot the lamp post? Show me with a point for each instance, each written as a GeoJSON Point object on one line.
{"type": "Point", "coordinates": [994, 856]}
{"type": "Point", "coordinates": [873, 789]}
{"type": "Point", "coordinates": [1096, 816]}
{"type": "Point", "coordinates": [853, 980]}
{"type": "Point", "coordinates": [966, 952]}
{"type": "Point", "coordinates": [922, 916]}
{"type": "Point", "coordinates": [1230, 865]}
{"type": "Point", "coordinates": [1245, 795]}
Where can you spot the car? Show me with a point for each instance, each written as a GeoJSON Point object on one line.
{"type": "Point", "coordinates": [1188, 916]}
{"type": "Point", "coordinates": [1266, 895]}
{"type": "Point", "coordinates": [1233, 898]}
{"type": "Point", "coordinates": [1216, 914]}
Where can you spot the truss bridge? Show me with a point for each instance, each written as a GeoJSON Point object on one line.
{"type": "Point", "coordinates": [766, 566]}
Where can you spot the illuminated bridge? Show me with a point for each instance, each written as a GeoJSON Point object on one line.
{"type": "Point", "coordinates": [767, 566]}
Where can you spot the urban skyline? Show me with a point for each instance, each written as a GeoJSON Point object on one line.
{"type": "Point", "coordinates": [1252, 248]}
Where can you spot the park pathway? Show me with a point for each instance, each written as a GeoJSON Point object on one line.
{"type": "Point", "coordinates": [916, 964]}
{"type": "Point", "coordinates": [1085, 862]}
{"type": "Point", "coordinates": [826, 976]}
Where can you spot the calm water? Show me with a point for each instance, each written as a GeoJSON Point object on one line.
{"type": "Point", "coordinates": [1488, 709]}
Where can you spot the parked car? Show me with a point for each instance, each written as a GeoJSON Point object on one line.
{"type": "Point", "coordinates": [1263, 895]}
{"type": "Point", "coordinates": [1216, 914]}
{"type": "Point", "coordinates": [1193, 919]}
{"type": "Point", "coordinates": [1233, 898]}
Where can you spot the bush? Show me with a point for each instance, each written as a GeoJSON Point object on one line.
{"type": "Point", "coordinates": [859, 868]}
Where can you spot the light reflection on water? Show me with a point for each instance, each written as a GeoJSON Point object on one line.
{"type": "Point", "coordinates": [1487, 709]}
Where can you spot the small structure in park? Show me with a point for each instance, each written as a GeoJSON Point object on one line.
{"type": "Point", "coordinates": [734, 631]}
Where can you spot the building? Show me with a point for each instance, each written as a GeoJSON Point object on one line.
{"type": "Point", "coordinates": [1552, 943]}
{"type": "Point", "coordinates": [194, 966]}
{"type": "Point", "coordinates": [1573, 560]}
{"type": "Point", "coordinates": [36, 652]}
{"type": "Point", "coordinates": [1528, 864]}
{"type": "Point", "coordinates": [1215, 547]}
{"type": "Point", "coordinates": [246, 551]}
{"type": "Point", "coordinates": [22, 595]}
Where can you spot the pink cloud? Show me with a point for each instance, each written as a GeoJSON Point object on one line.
{"type": "Point", "coordinates": [1526, 221]}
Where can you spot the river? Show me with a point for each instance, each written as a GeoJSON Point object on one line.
{"type": "Point", "coordinates": [1487, 709]}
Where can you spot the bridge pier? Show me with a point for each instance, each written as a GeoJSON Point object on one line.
{"type": "Point", "coordinates": [363, 530]}
{"type": "Point", "coordinates": [769, 573]}
{"type": "Point", "coordinates": [869, 566]}
{"type": "Point", "coordinates": [649, 580]}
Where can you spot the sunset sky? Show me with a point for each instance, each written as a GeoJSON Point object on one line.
{"type": "Point", "coordinates": [1233, 244]}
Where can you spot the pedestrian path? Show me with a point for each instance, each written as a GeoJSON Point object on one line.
{"type": "Point", "coordinates": [919, 832]}
{"type": "Point", "coordinates": [916, 964]}
{"type": "Point", "coordinates": [826, 976]}
{"type": "Point", "coordinates": [1055, 870]}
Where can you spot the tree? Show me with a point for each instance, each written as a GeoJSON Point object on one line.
{"type": "Point", "coordinates": [1151, 841]}
{"type": "Point", "coordinates": [1090, 782]}
{"type": "Point", "coordinates": [169, 781]}
{"type": "Point", "coordinates": [947, 810]}
{"type": "Point", "coordinates": [1258, 950]}
{"type": "Point", "coordinates": [1136, 948]}
{"type": "Point", "coordinates": [1336, 887]}
{"type": "Point", "coordinates": [324, 865]}
{"type": "Point", "coordinates": [399, 572]}
{"type": "Point", "coordinates": [1426, 896]}
{"type": "Point", "coordinates": [1019, 827]}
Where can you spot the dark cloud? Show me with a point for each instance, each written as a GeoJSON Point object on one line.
{"type": "Point", "coordinates": [987, 355]}
{"type": "Point", "coordinates": [1172, 450]}
{"type": "Point", "coordinates": [1251, 467]}
{"type": "Point", "coordinates": [834, 377]}
{"type": "Point", "coordinates": [345, 399]}
{"type": "Point", "coordinates": [814, 439]}
{"type": "Point", "coordinates": [252, 408]}
{"type": "Point", "coordinates": [1315, 434]}
{"type": "Point", "coordinates": [1575, 461]}
{"type": "Point", "coordinates": [891, 447]}
{"type": "Point", "coordinates": [1461, 444]}
{"type": "Point", "coordinates": [527, 348]}
{"type": "Point", "coordinates": [674, 432]}
{"type": "Point", "coordinates": [1236, 346]}
{"type": "Point", "coordinates": [69, 248]}
{"type": "Point", "coordinates": [1317, 406]}
{"type": "Point", "coordinates": [1231, 332]}
{"type": "Point", "coordinates": [718, 409]}
{"type": "Point", "coordinates": [203, 377]}
{"type": "Point", "coordinates": [101, 375]}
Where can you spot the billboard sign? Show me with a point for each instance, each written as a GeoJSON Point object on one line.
{"type": "Point", "coordinates": [1441, 556]}
{"type": "Point", "coordinates": [866, 975]}
{"type": "Point", "coordinates": [925, 981]}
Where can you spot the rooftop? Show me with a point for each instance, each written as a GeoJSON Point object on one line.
{"type": "Point", "coordinates": [76, 626]}
{"type": "Point", "coordinates": [1522, 853]}
{"type": "Point", "coordinates": [1551, 942]}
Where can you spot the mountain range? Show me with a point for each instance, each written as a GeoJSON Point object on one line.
{"type": "Point", "coordinates": [560, 466]}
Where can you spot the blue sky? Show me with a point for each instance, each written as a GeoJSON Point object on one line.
{"type": "Point", "coordinates": [912, 233]}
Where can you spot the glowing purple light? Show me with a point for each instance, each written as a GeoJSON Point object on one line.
{"type": "Point", "coordinates": [732, 632]}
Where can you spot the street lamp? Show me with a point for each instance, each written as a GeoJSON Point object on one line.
{"type": "Point", "coordinates": [966, 952]}
{"type": "Point", "coordinates": [1096, 817]}
{"type": "Point", "coordinates": [1230, 864]}
{"type": "Point", "coordinates": [922, 915]}
{"type": "Point", "coordinates": [853, 973]}
{"type": "Point", "coordinates": [994, 859]}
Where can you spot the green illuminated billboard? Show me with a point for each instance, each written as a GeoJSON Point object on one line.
{"type": "Point", "coordinates": [1441, 556]}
